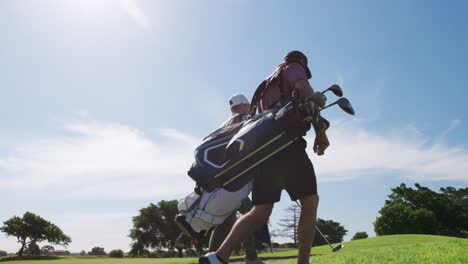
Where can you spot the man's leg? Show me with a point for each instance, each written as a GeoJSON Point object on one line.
{"type": "Point", "coordinates": [301, 184]}
{"type": "Point", "coordinates": [249, 241]}
{"type": "Point", "coordinates": [306, 227]}
{"type": "Point", "coordinates": [248, 223]}
{"type": "Point", "coordinates": [220, 232]}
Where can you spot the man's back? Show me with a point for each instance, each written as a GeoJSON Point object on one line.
{"type": "Point", "coordinates": [279, 86]}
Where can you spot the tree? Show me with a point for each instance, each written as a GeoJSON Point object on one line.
{"type": "Point", "coordinates": [455, 216]}
{"type": "Point", "coordinates": [360, 235]}
{"type": "Point", "coordinates": [33, 249]}
{"type": "Point", "coordinates": [423, 211]}
{"type": "Point", "coordinates": [333, 231]}
{"type": "Point", "coordinates": [290, 223]}
{"type": "Point", "coordinates": [154, 228]}
{"type": "Point", "coordinates": [32, 228]}
{"type": "Point", "coordinates": [97, 251]}
{"type": "Point", "coordinates": [402, 219]}
{"type": "Point", "coordinates": [116, 253]}
{"type": "Point", "coordinates": [82, 253]}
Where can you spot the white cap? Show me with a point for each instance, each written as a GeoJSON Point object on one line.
{"type": "Point", "coordinates": [238, 99]}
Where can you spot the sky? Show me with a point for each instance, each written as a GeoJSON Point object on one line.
{"type": "Point", "coordinates": [102, 103]}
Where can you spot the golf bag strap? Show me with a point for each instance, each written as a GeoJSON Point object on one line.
{"type": "Point", "coordinates": [256, 98]}
{"type": "Point", "coordinates": [262, 88]}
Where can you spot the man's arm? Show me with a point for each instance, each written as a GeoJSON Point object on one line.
{"type": "Point", "coordinates": [321, 142]}
{"type": "Point", "coordinates": [305, 90]}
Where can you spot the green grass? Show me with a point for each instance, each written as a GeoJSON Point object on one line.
{"type": "Point", "coordinates": [107, 260]}
{"type": "Point", "coordinates": [412, 249]}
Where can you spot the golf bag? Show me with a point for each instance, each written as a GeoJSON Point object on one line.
{"type": "Point", "coordinates": [201, 210]}
{"type": "Point", "coordinates": [228, 157]}
{"type": "Point", "coordinates": [225, 165]}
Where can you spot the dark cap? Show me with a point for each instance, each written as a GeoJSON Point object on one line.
{"type": "Point", "coordinates": [296, 56]}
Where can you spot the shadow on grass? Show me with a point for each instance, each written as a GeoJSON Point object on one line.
{"type": "Point", "coordinates": [29, 258]}
{"type": "Point", "coordinates": [240, 259]}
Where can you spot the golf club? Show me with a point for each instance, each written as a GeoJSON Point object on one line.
{"type": "Point", "coordinates": [336, 89]}
{"type": "Point", "coordinates": [334, 249]}
{"type": "Point", "coordinates": [344, 104]}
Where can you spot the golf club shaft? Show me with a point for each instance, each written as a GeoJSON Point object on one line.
{"type": "Point", "coordinates": [332, 104]}
{"type": "Point", "coordinates": [318, 229]}
{"type": "Point", "coordinates": [312, 96]}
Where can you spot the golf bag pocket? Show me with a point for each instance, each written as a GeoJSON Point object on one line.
{"type": "Point", "coordinates": [198, 214]}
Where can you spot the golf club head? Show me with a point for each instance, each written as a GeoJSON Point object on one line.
{"type": "Point", "coordinates": [336, 89]}
{"type": "Point", "coordinates": [335, 249]}
{"type": "Point", "coordinates": [345, 104]}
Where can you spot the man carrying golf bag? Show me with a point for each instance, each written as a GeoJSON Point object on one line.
{"type": "Point", "coordinates": [240, 107]}
{"type": "Point", "coordinates": [290, 169]}
{"type": "Point", "coordinates": [203, 211]}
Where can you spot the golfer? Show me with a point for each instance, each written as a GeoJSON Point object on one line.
{"type": "Point", "coordinates": [290, 169]}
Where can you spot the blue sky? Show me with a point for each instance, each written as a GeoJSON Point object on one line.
{"type": "Point", "coordinates": [103, 102]}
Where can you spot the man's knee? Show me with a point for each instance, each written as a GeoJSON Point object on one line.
{"type": "Point", "coordinates": [310, 201]}
{"type": "Point", "coordinates": [261, 212]}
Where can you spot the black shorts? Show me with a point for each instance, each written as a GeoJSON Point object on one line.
{"type": "Point", "coordinates": [291, 169]}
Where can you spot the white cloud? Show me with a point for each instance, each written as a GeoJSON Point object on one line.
{"type": "Point", "coordinates": [340, 79]}
{"type": "Point", "coordinates": [136, 14]}
{"type": "Point", "coordinates": [356, 152]}
{"type": "Point", "coordinates": [443, 136]}
{"type": "Point", "coordinates": [114, 160]}
{"type": "Point", "coordinates": [109, 230]}
{"type": "Point", "coordinates": [103, 160]}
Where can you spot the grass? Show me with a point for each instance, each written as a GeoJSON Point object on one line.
{"type": "Point", "coordinates": [411, 249]}
{"type": "Point", "coordinates": [107, 260]}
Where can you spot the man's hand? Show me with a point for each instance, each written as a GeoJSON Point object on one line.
{"type": "Point", "coordinates": [320, 99]}
{"type": "Point", "coordinates": [321, 142]}
{"type": "Point", "coordinates": [311, 109]}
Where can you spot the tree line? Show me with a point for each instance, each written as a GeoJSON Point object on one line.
{"type": "Point", "coordinates": [424, 211]}
{"type": "Point", "coordinates": [407, 210]}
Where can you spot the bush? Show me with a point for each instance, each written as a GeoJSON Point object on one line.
{"type": "Point", "coordinates": [287, 245]}
{"type": "Point", "coordinates": [154, 254]}
{"type": "Point", "coordinates": [33, 249]}
{"type": "Point", "coordinates": [97, 251]}
{"type": "Point", "coordinates": [169, 254]}
{"type": "Point", "coordinates": [162, 254]}
{"type": "Point", "coordinates": [191, 253]}
{"type": "Point", "coordinates": [360, 235]}
{"type": "Point", "coordinates": [116, 253]}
